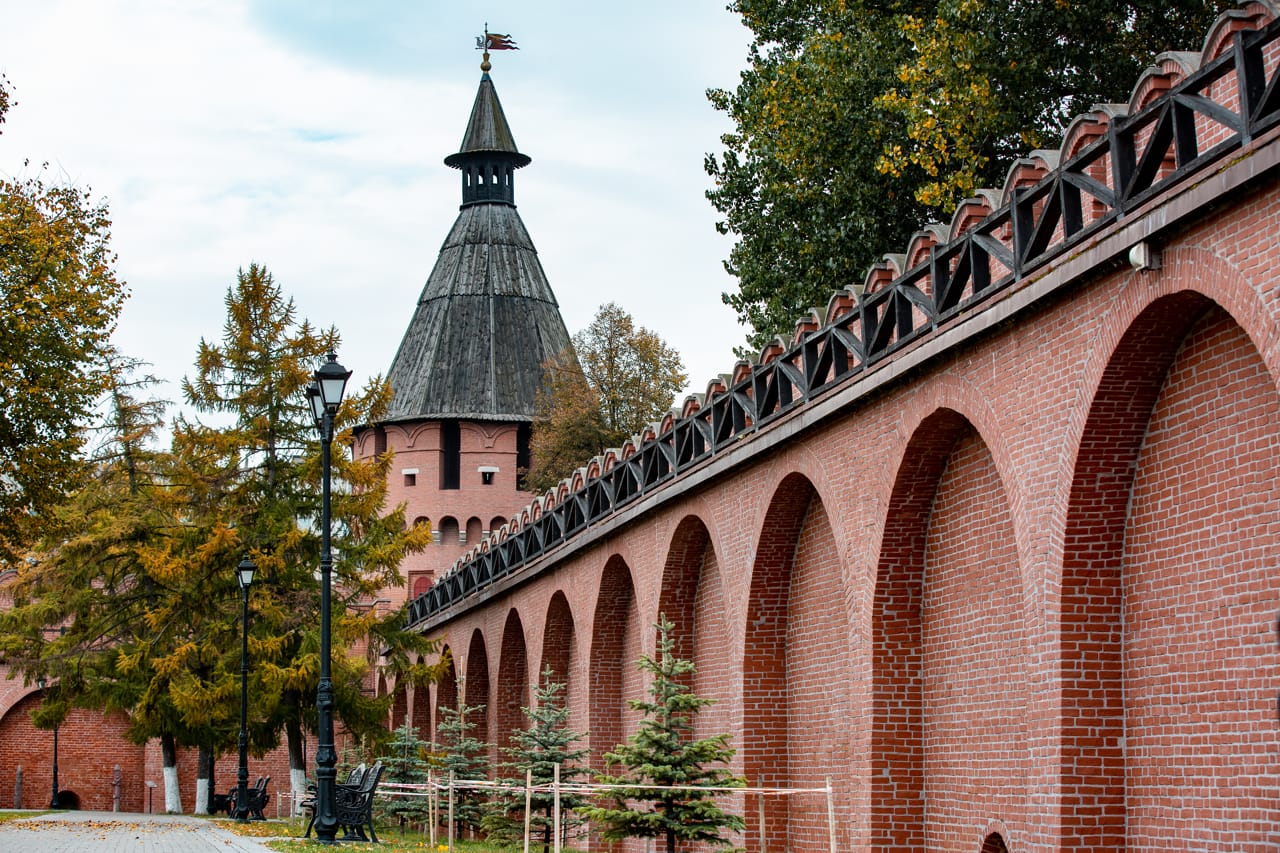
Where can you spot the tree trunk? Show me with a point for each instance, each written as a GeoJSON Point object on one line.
{"type": "Point", "coordinates": [204, 780]}
{"type": "Point", "coordinates": [297, 761]}
{"type": "Point", "coordinates": [169, 758]}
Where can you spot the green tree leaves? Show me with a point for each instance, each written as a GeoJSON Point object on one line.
{"type": "Point", "coordinates": [854, 121]}
{"type": "Point", "coordinates": [59, 298]}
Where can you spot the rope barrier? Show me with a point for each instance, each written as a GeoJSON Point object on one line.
{"type": "Point", "coordinates": [433, 788]}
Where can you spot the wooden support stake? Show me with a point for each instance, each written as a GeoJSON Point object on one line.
{"type": "Point", "coordinates": [450, 811]}
{"type": "Point", "coordinates": [555, 810]}
{"type": "Point", "coordinates": [528, 805]}
{"type": "Point", "coordinates": [433, 812]}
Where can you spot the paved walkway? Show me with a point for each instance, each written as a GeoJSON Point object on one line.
{"type": "Point", "coordinates": [119, 832]}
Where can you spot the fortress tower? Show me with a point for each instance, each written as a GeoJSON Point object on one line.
{"type": "Point", "coordinates": [469, 368]}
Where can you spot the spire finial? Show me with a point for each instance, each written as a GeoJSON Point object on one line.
{"type": "Point", "coordinates": [492, 41]}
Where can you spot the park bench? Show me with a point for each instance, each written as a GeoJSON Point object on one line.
{"type": "Point", "coordinates": [354, 806]}
{"type": "Point", "coordinates": [347, 797]}
{"type": "Point", "coordinates": [258, 799]}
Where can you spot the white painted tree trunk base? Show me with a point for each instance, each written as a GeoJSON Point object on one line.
{"type": "Point", "coordinates": [298, 783]}
{"type": "Point", "coordinates": [202, 796]}
{"type": "Point", "coordinates": [172, 798]}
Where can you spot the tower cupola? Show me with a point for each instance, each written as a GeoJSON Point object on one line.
{"type": "Point", "coordinates": [488, 157]}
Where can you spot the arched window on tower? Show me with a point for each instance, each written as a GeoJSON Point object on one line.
{"type": "Point", "coordinates": [448, 531]}
{"type": "Point", "coordinates": [474, 528]}
{"type": "Point", "coordinates": [495, 523]}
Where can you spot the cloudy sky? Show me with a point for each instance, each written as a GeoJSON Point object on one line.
{"type": "Point", "coordinates": [308, 135]}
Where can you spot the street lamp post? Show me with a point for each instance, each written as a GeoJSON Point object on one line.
{"type": "Point", "coordinates": [325, 395]}
{"type": "Point", "coordinates": [244, 574]}
{"type": "Point", "coordinates": [54, 803]}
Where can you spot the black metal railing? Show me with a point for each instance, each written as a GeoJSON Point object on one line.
{"type": "Point", "coordinates": [1209, 114]}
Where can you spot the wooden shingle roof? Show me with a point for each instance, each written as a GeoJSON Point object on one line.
{"type": "Point", "coordinates": [487, 318]}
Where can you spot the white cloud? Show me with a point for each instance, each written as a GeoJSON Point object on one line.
{"type": "Point", "coordinates": [219, 141]}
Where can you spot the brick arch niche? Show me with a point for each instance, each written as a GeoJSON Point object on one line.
{"type": "Point", "coordinates": [420, 708]}
{"type": "Point", "coordinates": [949, 660]}
{"type": "Point", "coordinates": [513, 680]}
{"type": "Point", "coordinates": [1168, 602]}
{"type": "Point", "coordinates": [692, 599]}
{"type": "Point", "coordinates": [615, 646]}
{"type": "Point", "coordinates": [446, 690]}
{"type": "Point", "coordinates": [475, 692]}
{"type": "Point", "coordinates": [794, 697]}
{"type": "Point", "coordinates": [558, 642]}
{"type": "Point", "coordinates": [399, 705]}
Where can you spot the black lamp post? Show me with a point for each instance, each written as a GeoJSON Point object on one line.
{"type": "Point", "coordinates": [325, 395]}
{"type": "Point", "coordinates": [244, 574]}
{"type": "Point", "coordinates": [54, 802]}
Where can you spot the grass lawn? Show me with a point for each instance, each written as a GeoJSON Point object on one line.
{"type": "Point", "coordinates": [15, 815]}
{"type": "Point", "coordinates": [392, 841]}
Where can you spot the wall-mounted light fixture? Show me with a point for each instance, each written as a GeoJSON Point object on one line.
{"type": "Point", "coordinates": [1144, 256]}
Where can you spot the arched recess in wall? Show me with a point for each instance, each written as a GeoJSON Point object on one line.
{"type": "Point", "coordinates": [692, 598]}
{"type": "Point", "coordinates": [994, 843]}
{"type": "Point", "coordinates": [1168, 598]}
{"type": "Point", "coordinates": [513, 680]}
{"type": "Point", "coordinates": [495, 523]}
{"type": "Point", "coordinates": [446, 689]}
{"type": "Point", "coordinates": [615, 646]}
{"type": "Point", "coordinates": [475, 528]}
{"type": "Point", "coordinates": [475, 688]}
{"type": "Point", "coordinates": [558, 642]}
{"type": "Point", "coordinates": [949, 663]}
{"type": "Point", "coordinates": [399, 705]}
{"type": "Point", "coordinates": [448, 532]}
{"type": "Point", "coordinates": [795, 730]}
{"type": "Point", "coordinates": [420, 707]}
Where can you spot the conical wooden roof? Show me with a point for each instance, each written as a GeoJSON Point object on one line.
{"type": "Point", "coordinates": [487, 318]}
{"type": "Point", "coordinates": [487, 130]}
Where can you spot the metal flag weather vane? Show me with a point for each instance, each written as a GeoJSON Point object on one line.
{"type": "Point", "coordinates": [493, 41]}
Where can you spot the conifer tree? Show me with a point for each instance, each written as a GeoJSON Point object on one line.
{"type": "Point", "coordinates": [466, 758]}
{"type": "Point", "coordinates": [112, 611]}
{"type": "Point", "coordinates": [405, 763]}
{"type": "Point", "coordinates": [547, 741]}
{"type": "Point", "coordinates": [260, 475]}
{"type": "Point", "coordinates": [138, 572]}
{"type": "Point", "coordinates": [664, 752]}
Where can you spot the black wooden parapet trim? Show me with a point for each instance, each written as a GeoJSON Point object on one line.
{"type": "Point", "coordinates": [1148, 153]}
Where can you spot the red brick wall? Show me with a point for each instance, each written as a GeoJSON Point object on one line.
{"type": "Point", "coordinates": [1200, 650]}
{"type": "Point", "coordinates": [90, 747]}
{"type": "Point", "coordinates": [1025, 591]}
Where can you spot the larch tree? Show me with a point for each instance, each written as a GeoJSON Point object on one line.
{"type": "Point", "coordinates": [617, 378]}
{"type": "Point", "coordinates": [110, 608]}
{"type": "Point", "coordinates": [259, 475]}
{"type": "Point", "coordinates": [854, 122]}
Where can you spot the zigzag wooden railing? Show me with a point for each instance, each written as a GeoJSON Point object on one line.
{"type": "Point", "coordinates": [1186, 129]}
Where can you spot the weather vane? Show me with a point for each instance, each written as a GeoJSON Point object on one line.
{"type": "Point", "coordinates": [493, 41]}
